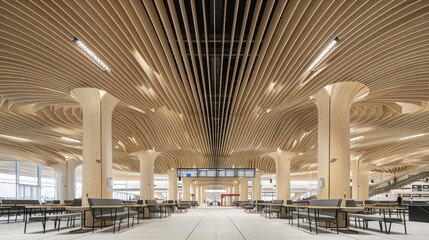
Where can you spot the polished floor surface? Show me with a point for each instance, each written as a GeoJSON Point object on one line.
{"type": "Point", "coordinates": [211, 223]}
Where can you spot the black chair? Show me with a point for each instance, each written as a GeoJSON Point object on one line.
{"type": "Point", "coordinates": [155, 208]}
{"type": "Point", "coordinates": [275, 208]}
{"type": "Point", "coordinates": [249, 206]}
{"type": "Point", "coordinates": [77, 202]}
{"type": "Point", "coordinates": [183, 206]}
{"type": "Point", "coordinates": [324, 215]}
{"type": "Point", "coordinates": [353, 203]}
{"type": "Point", "coordinates": [115, 213]}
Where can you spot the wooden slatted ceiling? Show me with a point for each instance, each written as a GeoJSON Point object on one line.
{"type": "Point", "coordinates": [214, 83]}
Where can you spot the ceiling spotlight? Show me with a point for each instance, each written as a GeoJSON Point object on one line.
{"type": "Point", "coordinates": [323, 54]}
{"type": "Point", "coordinates": [91, 54]}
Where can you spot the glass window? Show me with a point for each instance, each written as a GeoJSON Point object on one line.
{"type": "Point", "coordinates": [28, 173]}
{"type": "Point", "coordinates": [78, 182]}
{"type": "Point", "coordinates": [48, 183]}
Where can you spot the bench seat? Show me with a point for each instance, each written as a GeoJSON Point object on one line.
{"type": "Point", "coordinates": [381, 218]}
{"type": "Point", "coordinates": [51, 217]}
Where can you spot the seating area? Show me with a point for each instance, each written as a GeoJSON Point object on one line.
{"type": "Point", "coordinates": [214, 119]}
{"type": "Point", "coordinates": [330, 214]}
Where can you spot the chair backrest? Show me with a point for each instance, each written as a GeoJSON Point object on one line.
{"type": "Point", "coordinates": [277, 202]}
{"type": "Point", "coordinates": [77, 202]}
{"type": "Point", "coordinates": [289, 202]}
{"type": "Point", "coordinates": [141, 201]}
{"type": "Point", "coordinates": [152, 208]}
{"type": "Point", "coordinates": [104, 202]}
{"type": "Point", "coordinates": [21, 201]}
{"type": "Point", "coordinates": [68, 202]}
{"type": "Point", "coordinates": [351, 203]}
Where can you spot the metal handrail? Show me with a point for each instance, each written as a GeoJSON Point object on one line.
{"type": "Point", "coordinates": [403, 176]}
{"type": "Point", "coordinates": [399, 184]}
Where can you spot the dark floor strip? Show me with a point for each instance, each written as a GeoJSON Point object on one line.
{"type": "Point", "coordinates": [234, 225]}
{"type": "Point", "coordinates": [196, 225]}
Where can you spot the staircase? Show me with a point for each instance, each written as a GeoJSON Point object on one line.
{"type": "Point", "coordinates": [401, 183]}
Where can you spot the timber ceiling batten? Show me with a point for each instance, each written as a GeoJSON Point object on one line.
{"type": "Point", "coordinates": [214, 83]}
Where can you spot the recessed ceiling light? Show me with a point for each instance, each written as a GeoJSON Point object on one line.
{"type": "Point", "coordinates": [91, 54]}
{"type": "Point", "coordinates": [70, 139]}
{"type": "Point", "coordinates": [413, 136]}
{"type": "Point", "coordinates": [323, 53]}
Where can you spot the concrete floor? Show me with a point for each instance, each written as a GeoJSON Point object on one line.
{"type": "Point", "coordinates": [207, 223]}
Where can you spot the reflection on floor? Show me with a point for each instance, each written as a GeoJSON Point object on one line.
{"type": "Point", "coordinates": [210, 223]}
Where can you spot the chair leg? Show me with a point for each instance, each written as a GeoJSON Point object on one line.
{"type": "Point", "coordinates": [59, 222]}
{"type": "Point", "coordinates": [385, 226]}
{"type": "Point", "coordinates": [337, 226]}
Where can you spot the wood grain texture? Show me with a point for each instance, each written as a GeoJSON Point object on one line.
{"type": "Point", "coordinates": [214, 83]}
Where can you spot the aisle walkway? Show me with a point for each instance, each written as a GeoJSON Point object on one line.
{"type": "Point", "coordinates": [208, 223]}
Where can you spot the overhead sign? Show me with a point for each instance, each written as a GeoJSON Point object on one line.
{"type": "Point", "coordinates": [216, 172]}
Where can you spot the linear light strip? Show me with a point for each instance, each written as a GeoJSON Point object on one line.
{"type": "Point", "coordinates": [356, 138]}
{"type": "Point", "coordinates": [70, 139]}
{"type": "Point", "coordinates": [322, 54]}
{"type": "Point", "coordinates": [91, 54]}
{"type": "Point", "coordinates": [413, 136]}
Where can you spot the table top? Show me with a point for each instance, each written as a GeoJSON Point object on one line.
{"type": "Point", "coordinates": [108, 206]}
{"type": "Point", "coordinates": [45, 206]}
{"type": "Point", "coordinates": [77, 208]}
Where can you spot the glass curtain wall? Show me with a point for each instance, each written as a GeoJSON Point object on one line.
{"type": "Point", "coordinates": [26, 180]}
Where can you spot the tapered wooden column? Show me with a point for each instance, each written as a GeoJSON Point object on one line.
{"type": "Point", "coordinates": [193, 191]}
{"type": "Point", "coordinates": [108, 104]}
{"type": "Point", "coordinates": [236, 187]}
{"type": "Point", "coordinates": [197, 194]}
{"type": "Point", "coordinates": [360, 180]}
{"type": "Point", "coordinates": [172, 185]}
{"type": "Point", "coordinates": [333, 105]}
{"type": "Point", "coordinates": [89, 99]}
{"type": "Point", "coordinates": [256, 186]}
{"type": "Point", "coordinates": [65, 179]}
{"type": "Point", "coordinates": [186, 189]}
{"type": "Point", "coordinates": [147, 162]}
{"type": "Point", "coordinates": [244, 189]}
{"type": "Point", "coordinates": [283, 160]}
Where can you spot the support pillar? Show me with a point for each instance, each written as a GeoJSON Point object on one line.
{"type": "Point", "coordinates": [283, 160]}
{"type": "Point", "coordinates": [333, 105]}
{"type": "Point", "coordinates": [203, 195]}
{"type": "Point", "coordinates": [65, 179]}
{"type": "Point", "coordinates": [97, 107]}
{"type": "Point", "coordinates": [193, 191]}
{"type": "Point", "coordinates": [172, 185]}
{"type": "Point", "coordinates": [108, 104]}
{"type": "Point", "coordinates": [236, 187]}
{"type": "Point", "coordinates": [244, 189]}
{"type": "Point", "coordinates": [186, 189]}
{"type": "Point", "coordinates": [256, 186]}
{"type": "Point", "coordinates": [147, 162]}
{"type": "Point", "coordinates": [360, 180]}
